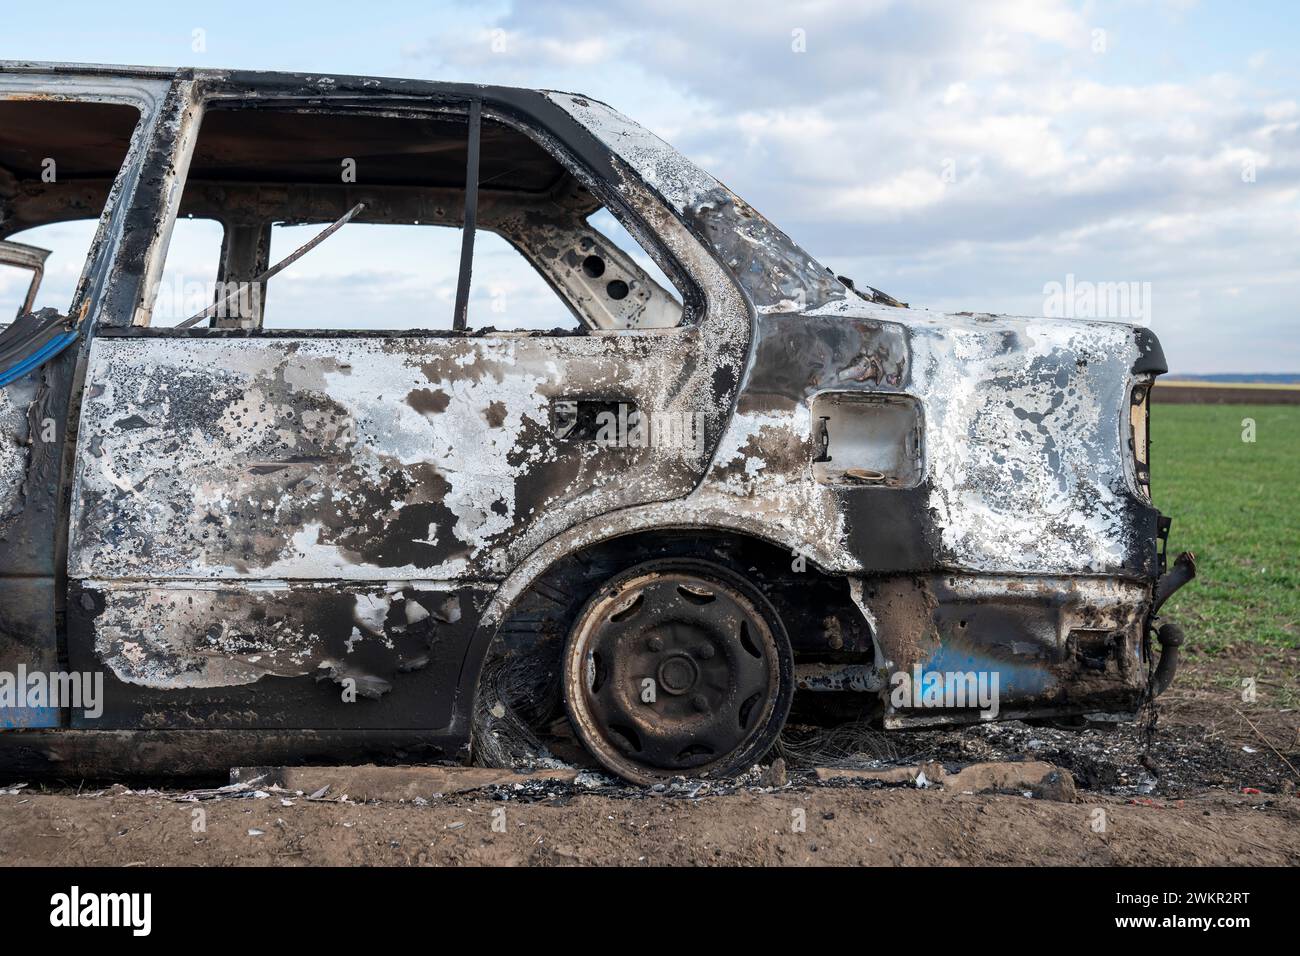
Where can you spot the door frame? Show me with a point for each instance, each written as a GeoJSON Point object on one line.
{"type": "Point", "coordinates": [33, 553]}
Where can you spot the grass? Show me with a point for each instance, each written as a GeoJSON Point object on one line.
{"type": "Point", "coordinates": [1235, 504]}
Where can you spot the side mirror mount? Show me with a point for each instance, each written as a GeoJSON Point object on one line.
{"type": "Point", "coordinates": [32, 258]}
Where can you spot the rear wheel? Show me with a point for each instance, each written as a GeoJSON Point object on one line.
{"type": "Point", "coordinates": [677, 668]}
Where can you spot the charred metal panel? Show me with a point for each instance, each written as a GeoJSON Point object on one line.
{"type": "Point", "coordinates": [273, 654]}
{"type": "Point", "coordinates": [797, 356]}
{"type": "Point", "coordinates": [767, 457]}
{"type": "Point", "coordinates": [358, 458]}
{"type": "Point", "coordinates": [1026, 466]}
{"type": "Point", "coordinates": [777, 274]}
{"type": "Point", "coordinates": [33, 435]}
{"type": "Point", "coordinates": [1025, 460]}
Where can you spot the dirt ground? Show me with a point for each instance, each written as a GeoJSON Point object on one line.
{"type": "Point", "coordinates": [1213, 783]}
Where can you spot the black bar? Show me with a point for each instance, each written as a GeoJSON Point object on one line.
{"type": "Point", "coordinates": [471, 217]}
{"type": "Point", "coordinates": [993, 907]}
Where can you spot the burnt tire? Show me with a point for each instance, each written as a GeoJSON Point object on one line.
{"type": "Point", "coordinates": [677, 667]}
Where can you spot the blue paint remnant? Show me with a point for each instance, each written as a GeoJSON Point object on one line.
{"type": "Point", "coordinates": [1015, 681]}
{"type": "Point", "coordinates": [16, 718]}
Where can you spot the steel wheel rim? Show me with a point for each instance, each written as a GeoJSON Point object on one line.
{"type": "Point", "coordinates": [713, 660]}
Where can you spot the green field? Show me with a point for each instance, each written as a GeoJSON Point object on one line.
{"type": "Point", "coordinates": [1235, 505]}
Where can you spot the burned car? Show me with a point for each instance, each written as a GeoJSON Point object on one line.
{"type": "Point", "coordinates": [730, 481]}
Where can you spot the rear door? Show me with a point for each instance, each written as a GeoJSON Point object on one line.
{"type": "Point", "coordinates": [298, 527]}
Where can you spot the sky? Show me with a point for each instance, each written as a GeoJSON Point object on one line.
{"type": "Point", "coordinates": [960, 156]}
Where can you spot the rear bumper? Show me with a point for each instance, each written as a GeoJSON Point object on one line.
{"type": "Point", "coordinates": [961, 648]}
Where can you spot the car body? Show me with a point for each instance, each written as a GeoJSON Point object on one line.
{"type": "Point", "coordinates": [281, 546]}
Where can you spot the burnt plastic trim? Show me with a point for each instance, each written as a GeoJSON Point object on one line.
{"type": "Point", "coordinates": [1151, 356]}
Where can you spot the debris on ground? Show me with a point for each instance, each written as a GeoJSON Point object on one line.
{"type": "Point", "coordinates": [392, 784]}
{"type": "Point", "coordinates": [1120, 759]}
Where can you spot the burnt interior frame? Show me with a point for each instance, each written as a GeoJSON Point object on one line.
{"type": "Point", "coordinates": [86, 188]}
{"type": "Point", "coordinates": [575, 167]}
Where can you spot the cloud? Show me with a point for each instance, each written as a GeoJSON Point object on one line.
{"type": "Point", "coordinates": [961, 155]}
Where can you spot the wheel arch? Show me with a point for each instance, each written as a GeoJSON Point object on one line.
{"type": "Point", "coordinates": [530, 613]}
{"type": "Point", "coordinates": [634, 523]}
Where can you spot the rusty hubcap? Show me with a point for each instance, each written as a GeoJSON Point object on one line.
{"type": "Point", "coordinates": [671, 672]}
